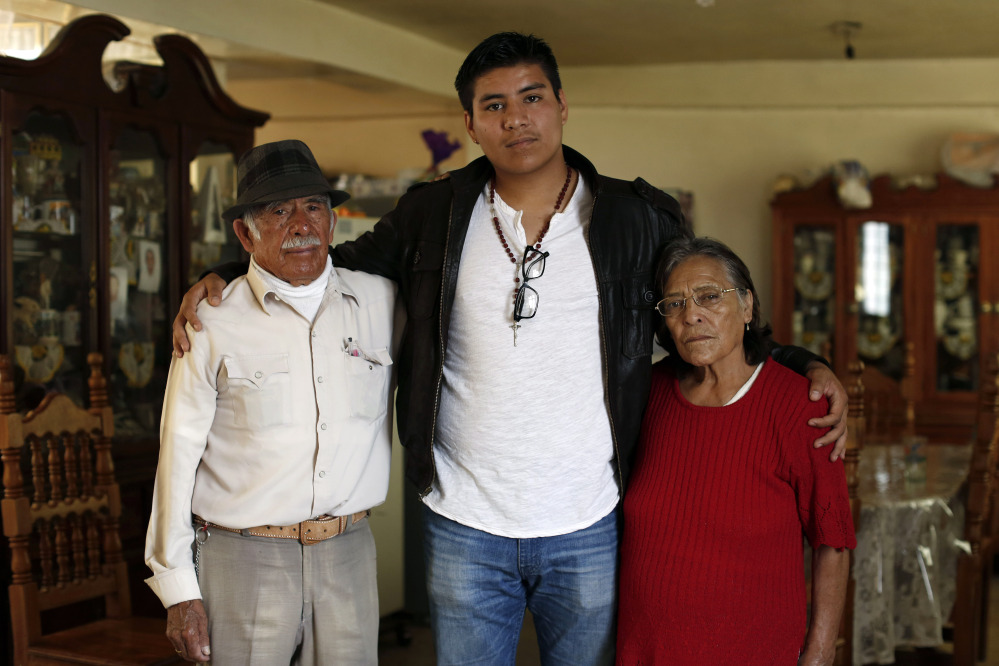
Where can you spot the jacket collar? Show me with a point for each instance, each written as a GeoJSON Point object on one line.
{"type": "Point", "coordinates": [467, 184]}
{"type": "Point", "coordinates": [470, 179]}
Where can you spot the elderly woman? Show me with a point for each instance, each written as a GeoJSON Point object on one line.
{"type": "Point", "coordinates": [725, 483]}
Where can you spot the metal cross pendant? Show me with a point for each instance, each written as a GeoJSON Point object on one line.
{"type": "Point", "coordinates": [514, 326]}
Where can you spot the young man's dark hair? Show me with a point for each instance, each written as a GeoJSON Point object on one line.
{"type": "Point", "coordinates": [504, 49]}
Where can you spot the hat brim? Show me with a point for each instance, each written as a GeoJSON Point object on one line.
{"type": "Point", "coordinates": [337, 197]}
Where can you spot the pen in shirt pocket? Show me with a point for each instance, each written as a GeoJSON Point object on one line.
{"type": "Point", "coordinates": [351, 347]}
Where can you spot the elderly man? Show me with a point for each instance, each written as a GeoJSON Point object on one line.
{"type": "Point", "coordinates": [274, 448]}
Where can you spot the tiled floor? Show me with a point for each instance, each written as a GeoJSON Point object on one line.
{"type": "Point", "coordinates": [420, 651]}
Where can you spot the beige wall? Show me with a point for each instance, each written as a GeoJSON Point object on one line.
{"type": "Point", "coordinates": [374, 132]}
{"type": "Point", "coordinates": [727, 131]}
{"type": "Point", "coordinates": [723, 131]}
{"type": "Point", "coordinates": [379, 147]}
{"type": "Point", "coordinates": [730, 158]}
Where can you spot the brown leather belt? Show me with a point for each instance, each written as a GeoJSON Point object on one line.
{"type": "Point", "coordinates": [307, 532]}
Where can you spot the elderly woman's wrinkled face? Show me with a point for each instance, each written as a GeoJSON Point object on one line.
{"type": "Point", "coordinates": [711, 332]}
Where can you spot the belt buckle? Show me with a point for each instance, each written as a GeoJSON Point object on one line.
{"type": "Point", "coordinates": [305, 527]}
{"type": "Point", "coordinates": [303, 532]}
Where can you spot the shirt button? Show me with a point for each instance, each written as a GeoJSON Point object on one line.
{"type": "Point", "coordinates": [322, 475]}
{"type": "Point", "coordinates": [258, 374]}
{"type": "Point", "coordinates": [314, 334]}
{"type": "Point", "coordinates": [320, 380]}
{"type": "Point", "coordinates": [322, 427]}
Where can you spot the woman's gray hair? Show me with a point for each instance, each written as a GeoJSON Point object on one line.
{"type": "Point", "coordinates": [757, 341]}
{"type": "Point", "coordinates": [251, 213]}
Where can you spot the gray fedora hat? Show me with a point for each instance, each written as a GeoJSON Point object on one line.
{"type": "Point", "coordinates": [278, 171]}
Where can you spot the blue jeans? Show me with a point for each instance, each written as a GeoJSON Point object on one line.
{"type": "Point", "coordinates": [479, 585]}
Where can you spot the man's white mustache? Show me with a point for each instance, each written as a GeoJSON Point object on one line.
{"type": "Point", "coordinates": [300, 241]}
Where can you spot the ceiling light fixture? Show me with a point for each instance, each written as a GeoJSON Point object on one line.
{"type": "Point", "coordinates": [846, 30]}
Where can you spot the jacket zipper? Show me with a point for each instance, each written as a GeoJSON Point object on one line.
{"type": "Point", "coordinates": [603, 347]}
{"type": "Point", "coordinates": [440, 368]}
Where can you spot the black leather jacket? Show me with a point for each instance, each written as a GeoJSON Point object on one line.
{"type": "Point", "coordinates": [419, 245]}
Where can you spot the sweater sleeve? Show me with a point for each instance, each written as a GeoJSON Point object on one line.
{"type": "Point", "coordinates": [820, 485]}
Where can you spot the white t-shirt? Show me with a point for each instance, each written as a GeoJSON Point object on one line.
{"type": "Point", "coordinates": [523, 446]}
{"type": "Point", "coordinates": [745, 387]}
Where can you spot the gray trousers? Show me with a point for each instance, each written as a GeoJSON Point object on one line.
{"type": "Point", "coordinates": [274, 601]}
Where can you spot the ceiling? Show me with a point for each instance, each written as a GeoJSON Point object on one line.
{"type": "Point", "coordinates": [628, 32]}
{"type": "Point", "coordinates": [583, 33]}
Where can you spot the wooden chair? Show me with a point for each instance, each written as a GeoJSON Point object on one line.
{"type": "Point", "coordinates": [974, 568]}
{"type": "Point", "coordinates": [854, 443]}
{"type": "Point", "coordinates": [62, 527]}
{"type": "Point", "coordinates": [889, 404]}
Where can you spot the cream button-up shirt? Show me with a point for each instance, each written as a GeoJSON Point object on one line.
{"type": "Point", "coordinates": [271, 419]}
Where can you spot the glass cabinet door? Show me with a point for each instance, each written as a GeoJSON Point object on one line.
{"type": "Point", "coordinates": [213, 190]}
{"type": "Point", "coordinates": [955, 307]}
{"type": "Point", "coordinates": [138, 282]}
{"type": "Point", "coordinates": [53, 272]}
{"type": "Point", "coordinates": [812, 321]}
{"type": "Point", "coordinates": [879, 293]}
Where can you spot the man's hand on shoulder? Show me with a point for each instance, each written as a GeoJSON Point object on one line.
{"type": "Point", "coordinates": [824, 383]}
{"type": "Point", "coordinates": [187, 630]}
{"type": "Point", "coordinates": [209, 287]}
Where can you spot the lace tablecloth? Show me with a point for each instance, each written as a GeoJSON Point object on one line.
{"type": "Point", "coordinates": [905, 566]}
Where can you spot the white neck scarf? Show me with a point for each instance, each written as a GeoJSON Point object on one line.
{"type": "Point", "coordinates": [307, 298]}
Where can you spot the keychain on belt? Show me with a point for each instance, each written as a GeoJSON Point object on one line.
{"type": "Point", "coordinates": [200, 538]}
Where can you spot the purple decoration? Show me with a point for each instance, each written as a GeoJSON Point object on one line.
{"type": "Point", "coordinates": [440, 147]}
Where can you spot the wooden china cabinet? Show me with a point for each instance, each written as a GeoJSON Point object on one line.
{"type": "Point", "coordinates": [112, 178]}
{"type": "Point", "coordinates": [917, 271]}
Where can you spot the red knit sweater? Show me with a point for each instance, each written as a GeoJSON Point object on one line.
{"type": "Point", "coordinates": [712, 555]}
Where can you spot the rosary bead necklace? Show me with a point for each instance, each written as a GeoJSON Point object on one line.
{"type": "Point", "coordinates": [541, 236]}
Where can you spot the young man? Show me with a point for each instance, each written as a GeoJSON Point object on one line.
{"type": "Point", "coordinates": [522, 384]}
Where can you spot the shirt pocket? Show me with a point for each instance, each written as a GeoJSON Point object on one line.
{"type": "Point", "coordinates": [259, 389]}
{"type": "Point", "coordinates": [368, 376]}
